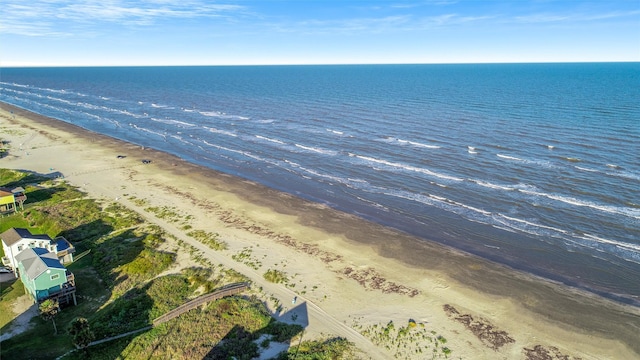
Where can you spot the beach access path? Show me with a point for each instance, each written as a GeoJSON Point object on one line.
{"type": "Point", "coordinates": [319, 321]}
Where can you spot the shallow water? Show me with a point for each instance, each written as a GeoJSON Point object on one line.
{"type": "Point", "coordinates": [533, 165]}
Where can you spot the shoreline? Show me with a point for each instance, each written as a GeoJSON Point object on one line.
{"type": "Point", "coordinates": [273, 201]}
{"type": "Point", "coordinates": [548, 311]}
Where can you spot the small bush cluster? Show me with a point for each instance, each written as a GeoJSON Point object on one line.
{"type": "Point", "coordinates": [407, 342]}
{"type": "Point", "coordinates": [333, 348]}
{"type": "Point", "coordinates": [208, 238]}
{"type": "Point", "coordinates": [276, 276]}
{"type": "Point", "coordinates": [244, 256]}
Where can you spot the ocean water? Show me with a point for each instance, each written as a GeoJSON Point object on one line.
{"type": "Point", "coordinates": [536, 166]}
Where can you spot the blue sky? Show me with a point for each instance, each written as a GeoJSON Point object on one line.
{"type": "Point", "coordinates": [204, 32]}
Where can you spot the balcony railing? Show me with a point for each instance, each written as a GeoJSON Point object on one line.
{"type": "Point", "coordinates": [71, 279]}
{"type": "Point", "coordinates": [64, 247]}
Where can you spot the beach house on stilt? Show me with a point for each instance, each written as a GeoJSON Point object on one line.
{"type": "Point", "coordinates": [44, 277]}
{"type": "Point", "coordinates": [38, 261]}
{"type": "Point", "coordinates": [15, 240]}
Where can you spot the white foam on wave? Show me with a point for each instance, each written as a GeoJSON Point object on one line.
{"type": "Point", "coordinates": [124, 112]}
{"type": "Point", "coordinates": [55, 91]}
{"type": "Point", "coordinates": [335, 132]}
{"type": "Point", "coordinates": [317, 150]}
{"type": "Point", "coordinates": [542, 163]}
{"type": "Point", "coordinates": [616, 171]}
{"type": "Point", "coordinates": [406, 167]}
{"type": "Point", "coordinates": [64, 101]}
{"type": "Point", "coordinates": [416, 144]}
{"type": "Point", "coordinates": [218, 131]}
{"type": "Point", "coordinates": [467, 211]}
{"type": "Point", "coordinates": [469, 207]}
{"type": "Point", "coordinates": [221, 115]}
{"type": "Point", "coordinates": [14, 91]}
{"type": "Point", "coordinates": [270, 139]}
{"type": "Point", "coordinates": [14, 84]}
{"type": "Point", "coordinates": [162, 135]}
{"type": "Point", "coordinates": [491, 185]}
{"type": "Point", "coordinates": [509, 157]}
{"type": "Point", "coordinates": [180, 139]}
{"type": "Point", "coordinates": [626, 174]}
{"type": "Point", "coordinates": [629, 251]}
{"type": "Point", "coordinates": [74, 111]}
{"type": "Point", "coordinates": [235, 151]}
{"type": "Point", "coordinates": [586, 169]}
{"type": "Point", "coordinates": [160, 106]}
{"type": "Point", "coordinates": [619, 244]}
{"type": "Point", "coordinates": [526, 223]}
{"type": "Point", "coordinates": [90, 106]}
{"type": "Point", "coordinates": [353, 183]}
{"type": "Point", "coordinates": [324, 176]}
{"type": "Point", "coordinates": [173, 122]}
{"type": "Point", "coordinates": [624, 250]}
{"type": "Point", "coordinates": [620, 210]}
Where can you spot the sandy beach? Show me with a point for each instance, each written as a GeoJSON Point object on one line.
{"type": "Point", "coordinates": [354, 273]}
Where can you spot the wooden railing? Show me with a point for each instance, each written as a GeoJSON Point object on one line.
{"type": "Point", "coordinates": [71, 279]}
{"type": "Point", "coordinates": [66, 252]}
{"type": "Point", "coordinates": [227, 290]}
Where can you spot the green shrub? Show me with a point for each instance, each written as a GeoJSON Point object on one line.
{"type": "Point", "coordinates": [275, 276]}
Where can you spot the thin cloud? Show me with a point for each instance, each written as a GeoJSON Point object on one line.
{"type": "Point", "coordinates": [387, 24]}
{"type": "Point", "coordinates": [144, 12]}
{"type": "Point", "coordinates": [453, 19]}
{"type": "Point", "coordinates": [42, 29]}
{"type": "Point", "coordinates": [43, 17]}
{"type": "Point", "coordinates": [551, 17]}
{"type": "Point", "coordinates": [355, 25]}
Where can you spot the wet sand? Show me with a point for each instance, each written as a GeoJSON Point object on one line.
{"type": "Point", "coordinates": [372, 273]}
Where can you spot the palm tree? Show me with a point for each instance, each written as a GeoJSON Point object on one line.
{"type": "Point", "coordinates": [82, 335]}
{"type": "Point", "coordinates": [48, 310]}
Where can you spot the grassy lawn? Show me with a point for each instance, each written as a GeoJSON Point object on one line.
{"type": "Point", "coordinates": [10, 291]}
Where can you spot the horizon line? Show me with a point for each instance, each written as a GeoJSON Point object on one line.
{"type": "Point", "coordinates": [322, 64]}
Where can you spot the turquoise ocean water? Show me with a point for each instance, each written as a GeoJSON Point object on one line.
{"type": "Point", "coordinates": [536, 166]}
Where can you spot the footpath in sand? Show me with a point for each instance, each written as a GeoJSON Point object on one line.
{"type": "Point", "coordinates": [349, 274]}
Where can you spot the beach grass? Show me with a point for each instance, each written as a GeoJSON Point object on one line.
{"type": "Point", "coordinates": [208, 238]}
{"type": "Point", "coordinates": [276, 276]}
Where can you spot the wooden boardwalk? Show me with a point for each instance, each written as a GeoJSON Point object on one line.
{"type": "Point", "coordinates": [226, 290]}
